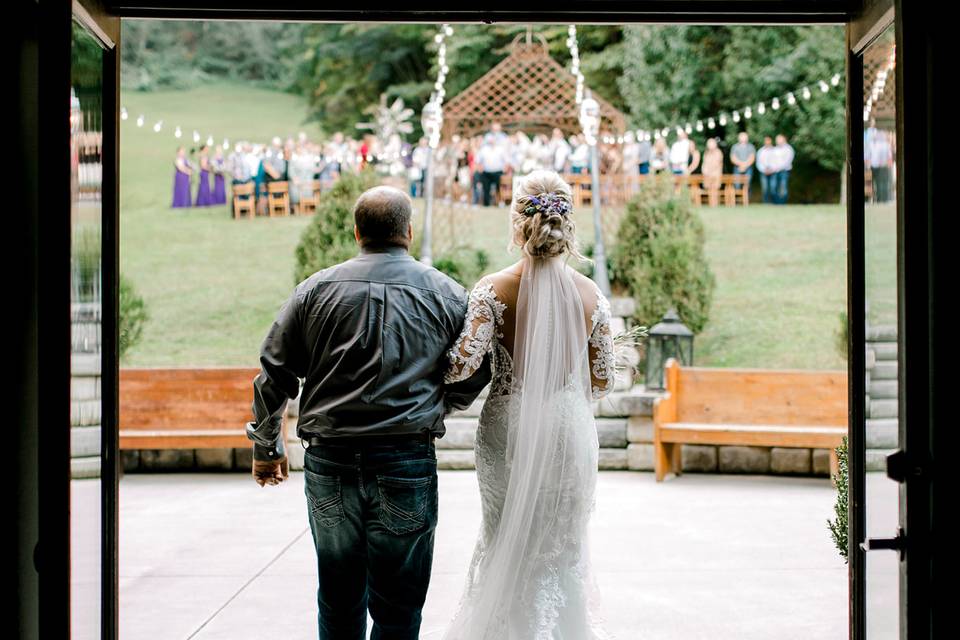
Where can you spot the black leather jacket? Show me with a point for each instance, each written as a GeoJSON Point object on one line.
{"type": "Point", "coordinates": [369, 337]}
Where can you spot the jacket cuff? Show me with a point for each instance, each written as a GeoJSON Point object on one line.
{"type": "Point", "coordinates": [268, 454]}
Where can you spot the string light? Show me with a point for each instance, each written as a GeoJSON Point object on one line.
{"type": "Point", "coordinates": [575, 60]}
{"type": "Point", "coordinates": [442, 69]}
{"type": "Point", "coordinates": [177, 133]}
{"type": "Point", "coordinates": [140, 120]}
{"type": "Point", "coordinates": [123, 114]}
{"type": "Point", "coordinates": [879, 83]}
{"type": "Point", "coordinates": [158, 126]}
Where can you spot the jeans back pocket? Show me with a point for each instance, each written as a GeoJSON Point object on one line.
{"type": "Point", "coordinates": [405, 502]}
{"type": "Point", "coordinates": [325, 500]}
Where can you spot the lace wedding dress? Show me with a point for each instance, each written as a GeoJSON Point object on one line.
{"type": "Point", "coordinates": [536, 458]}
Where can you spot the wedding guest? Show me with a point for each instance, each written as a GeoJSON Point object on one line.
{"type": "Point", "coordinates": [694, 155]}
{"type": "Point", "coordinates": [204, 195]}
{"type": "Point", "coordinates": [492, 160]}
{"type": "Point", "coordinates": [580, 157]}
{"type": "Point", "coordinates": [181, 179]}
{"type": "Point", "coordinates": [644, 151]}
{"type": "Point", "coordinates": [559, 152]}
{"type": "Point", "coordinates": [712, 170]}
{"type": "Point", "coordinates": [418, 168]}
{"type": "Point", "coordinates": [680, 153]}
{"type": "Point", "coordinates": [879, 157]}
{"type": "Point", "coordinates": [784, 155]}
{"type": "Point", "coordinates": [631, 154]}
{"type": "Point", "coordinates": [660, 156]}
{"type": "Point", "coordinates": [766, 165]}
{"type": "Point", "coordinates": [302, 168]}
{"type": "Point", "coordinates": [219, 167]}
{"type": "Point", "coordinates": [743, 155]}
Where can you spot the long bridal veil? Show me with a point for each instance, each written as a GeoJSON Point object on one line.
{"type": "Point", "coordinates": [533, 579]}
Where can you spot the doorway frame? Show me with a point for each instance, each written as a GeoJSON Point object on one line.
{"type": "Point", "coordinates": [917, 258]}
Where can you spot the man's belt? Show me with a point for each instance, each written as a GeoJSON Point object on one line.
{"type": "Point", "coordinates": [426, 437]}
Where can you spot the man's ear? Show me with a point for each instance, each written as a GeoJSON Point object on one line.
{"type": "Point", "coordinates": [410, 231]}
{"type": "Point", "coordinates": [356, 233]}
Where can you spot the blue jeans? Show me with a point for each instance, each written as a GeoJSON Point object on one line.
{"type": "Point", "coordinates": [780, 191]}
{"type": "Point", "coordinates": [373, 514]}
{"type": "Point", "coordinates": [769, 184]}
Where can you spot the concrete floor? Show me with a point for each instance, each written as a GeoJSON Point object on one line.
{"type": "Point", "coordinates": [213, 556]}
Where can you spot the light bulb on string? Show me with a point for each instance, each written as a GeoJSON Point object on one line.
{"type": "Point", "coordinates": [140, 120]}
{"type": "Point", "coordinates": [806, 93]}
{"type": "Point", "coordinates": [711, 123]}
{"type": "Point", "coordinates": [177, 133]}
{"type": "Point", "coordinates": [196, 136]}
{"type": "Point", "coordinates": [761, 108]}
{"type": "Point", "coordinates": [791, 99]}
{"type": "Point", "coordinates": [123, 113]}
{"type": "Point", "coordinates": [775, 104]}
{"type": "Point", "coordinates": [157, 126]}
{"type": "Point", "coordinates": [736, 116]}
{"type": "Point", "coordinates": [688, 128]}
{"type": "Point", "coordinates": [699, 125]}
{"type": "Point", "coordinates": [747, 113]}
{"type": "Point", "coordinates": [835, 80]}
{"type": "Point", "coordinates": [824, 87]}
{"type": "Point", "coordinates": [226, 144]}
{"type": "Point", "coordinates": [209, 141]}
{"type": "Point", "coordinates": [723, 120]}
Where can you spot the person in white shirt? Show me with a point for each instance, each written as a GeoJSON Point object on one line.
{"type": "Point", "coordinates": [878, 157]}
{"type": "Point", "coordinates": [767, 166]}
{"type": "Point", "coordinates": [784, 163]}
{"type": "Point", "coordinates": [560, 152]}
{"type": "Point", "coordinates": [631, 154]}
{"type": "Point", "coordinates": [491, 162]}
{"type": "Point", "coordinates": [680, 153]}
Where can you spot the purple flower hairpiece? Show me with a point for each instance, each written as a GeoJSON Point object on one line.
{"type": "Point", "coordinates": [547, 203]}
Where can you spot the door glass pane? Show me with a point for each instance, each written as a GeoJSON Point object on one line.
{"type": "Point", "coordinates": [85, 408]}
{"type": "Point", "coordinates": [880, 272]}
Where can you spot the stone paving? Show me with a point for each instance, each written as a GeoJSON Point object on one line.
{"type": "Point", "coordinates": [213, 555]}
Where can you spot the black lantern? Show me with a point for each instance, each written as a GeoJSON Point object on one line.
{"type": "Point", "coordinates": [669, 338]}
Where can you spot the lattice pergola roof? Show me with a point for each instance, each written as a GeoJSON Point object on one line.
{"type": "Point", "coordinates": [528, 90]}
{"type": "Point", "coordinates": [875, 58]}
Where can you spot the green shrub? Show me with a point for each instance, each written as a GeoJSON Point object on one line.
{"type": "Point", "coordinates": [839, 526]}
{"type": "Point", "coordinates": [329, 239]}
{"type": "Point", "coordinates": [463, 264]}
{"type": "Point", "coordinates": [659, 258]}
{"type": "Point", "coordinates": [133, 315]}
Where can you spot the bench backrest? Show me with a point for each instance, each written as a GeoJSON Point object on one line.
{"type": "Point", "coordinates": [759, 396]}
{"type": "Point", "coordinates": [186, 399]}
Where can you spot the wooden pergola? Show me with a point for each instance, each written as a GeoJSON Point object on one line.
{"type": "Point", "coordinates": [527, 91]}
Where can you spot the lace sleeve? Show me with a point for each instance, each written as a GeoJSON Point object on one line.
{"type": "Point", "coordinates": [602, 357]}
{"type": "Point", "coordinates": [480, 328]}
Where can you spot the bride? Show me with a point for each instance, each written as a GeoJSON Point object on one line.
{"type": "Point", "coordinates": [547, 330]}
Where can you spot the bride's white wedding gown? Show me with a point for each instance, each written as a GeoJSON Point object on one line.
{"type": "Point", "coordinates": [536, 458]}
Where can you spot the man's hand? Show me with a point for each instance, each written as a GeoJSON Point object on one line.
{"type": "Point", "coordinates": [271, 471]}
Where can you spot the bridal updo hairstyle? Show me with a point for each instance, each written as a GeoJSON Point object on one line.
{"type": "Point", "coordinates": [542, 216]}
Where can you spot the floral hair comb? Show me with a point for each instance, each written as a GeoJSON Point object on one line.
{"type": "Point", "coordinates": [547, 203]}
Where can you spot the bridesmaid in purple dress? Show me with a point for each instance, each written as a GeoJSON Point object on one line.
{"type": "Point", "coordinates": [204, 195]}
{"type": "Point", "coordinates": [181, 179]}
{"type": "Point", "coordinates": [219, 179]}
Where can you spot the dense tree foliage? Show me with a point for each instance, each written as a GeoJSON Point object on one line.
{"type": "Point", "coordinates": [659, 75]}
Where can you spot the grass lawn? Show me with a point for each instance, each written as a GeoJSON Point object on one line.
{"type": "Point", "coordinates": [212, 284]}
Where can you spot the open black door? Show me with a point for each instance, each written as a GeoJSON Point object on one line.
{"type": "Point", "coordinates": [891, 306]}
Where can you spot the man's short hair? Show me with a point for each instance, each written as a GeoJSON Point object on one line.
{"type": "Point", "coordinates": [382, 215]}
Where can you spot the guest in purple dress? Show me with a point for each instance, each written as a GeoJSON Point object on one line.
{"type": "Point", "coordinates": [219, 167]}
{"type": "Point", "coordinates": [204, 195]}
{"type": "Point", "coordinates": [181, 179]}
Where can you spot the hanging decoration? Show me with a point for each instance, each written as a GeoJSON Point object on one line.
{"type": "Point", "coordinates": [879, 84]}
{"type": "Point", "coordinates": [575, 60]}
{"type": "Point", "coordinates": [761, 108]}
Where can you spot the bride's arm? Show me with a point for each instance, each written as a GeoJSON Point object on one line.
{"type": "Point", "coordinates": [602, 356]}
{"type": "Point", "coordinates": [466, 355]}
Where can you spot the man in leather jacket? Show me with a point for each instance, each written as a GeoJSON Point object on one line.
{"type": "Point", "coordinates": [369, 338]}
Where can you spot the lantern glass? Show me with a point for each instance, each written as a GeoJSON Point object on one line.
{"type": "Point", "coordinates": [669, 338]}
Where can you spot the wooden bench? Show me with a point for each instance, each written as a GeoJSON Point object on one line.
{"type": "Point", "coordinates": [205, 408]}
{"type": "Point", "coordinates": [750, 407]}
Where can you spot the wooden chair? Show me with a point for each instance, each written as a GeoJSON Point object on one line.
{"type": "Point", "coordinates": [308, 204]}
{"type": "Point", "coordinates": [753, 407]}
{"type": "Point", "coordinates": [244, 201]}
{"type": "Point", "coordinates": [204, 408]}
{"type": "Point", "coordinates": [278, 198]}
